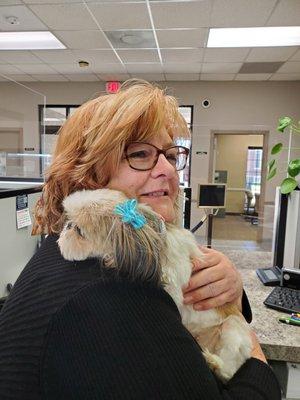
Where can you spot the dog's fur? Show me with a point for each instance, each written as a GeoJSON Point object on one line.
{"type": "Point", "coordinates": [156, 253]}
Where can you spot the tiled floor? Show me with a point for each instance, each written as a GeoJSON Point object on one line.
{"type": "Point", "coordinates": [234, 232]}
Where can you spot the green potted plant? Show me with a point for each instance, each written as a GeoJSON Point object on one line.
{"type": "Point", "coordinates": [293, 166]}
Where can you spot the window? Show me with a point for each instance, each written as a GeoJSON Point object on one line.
{"type": "Point", "coordinates": [184, 176]}
{"type": "Point", "coordinates": [253, 171]}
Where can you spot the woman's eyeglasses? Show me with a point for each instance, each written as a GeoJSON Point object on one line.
{"type": "Point", "coordinates": [144, 156]}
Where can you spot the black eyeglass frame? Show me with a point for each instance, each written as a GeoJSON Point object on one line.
{"type": "Point", "coordinates": [186, 151]}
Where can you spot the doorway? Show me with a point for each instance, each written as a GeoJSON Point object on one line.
{"type": "Point", "coordinates": [239, 160]}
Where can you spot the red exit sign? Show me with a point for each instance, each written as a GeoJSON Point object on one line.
{"type": "Point", "coordinates": [112, 87]}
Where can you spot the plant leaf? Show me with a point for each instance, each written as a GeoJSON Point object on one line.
{"type": "Point", "coordinates": [271, 165]}
{"type": "Point", "coordinates": [277, 148]}
{"type": "Point", "coordinates": [271, 174]}
{"type": "Point", "coordinates": [294, 167]}
{"type": "Point", "coordinates": [284, 122]}
{"type": "Point", "coordinates": [288, 185]}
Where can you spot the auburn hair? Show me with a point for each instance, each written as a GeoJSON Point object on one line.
{"type": "Point", "coordinates": [91, 143]}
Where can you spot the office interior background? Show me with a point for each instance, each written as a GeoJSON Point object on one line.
{"type": "Point", "coordinates": [232, 97]}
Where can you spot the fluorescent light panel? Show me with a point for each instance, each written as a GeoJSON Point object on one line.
{"type": "Point", "coordinates": [42, 40]}
{"type": "Point", "coordinates": [254, 37]}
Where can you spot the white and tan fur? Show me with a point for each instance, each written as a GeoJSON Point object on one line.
{"type": "Point", "coordinates": [157, 253]}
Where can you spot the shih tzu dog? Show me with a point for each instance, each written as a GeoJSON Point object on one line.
{"type": "Point", "coordinates": [135, 241]}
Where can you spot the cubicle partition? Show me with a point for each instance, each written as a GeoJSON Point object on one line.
{"type": "Point", "coordinates": [17, 246]}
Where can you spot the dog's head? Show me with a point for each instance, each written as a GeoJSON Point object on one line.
{"type": "Point", "coordinates": [93, 228]}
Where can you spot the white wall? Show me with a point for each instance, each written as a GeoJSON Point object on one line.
{"type": "Point", "coordinates": [235, 106]}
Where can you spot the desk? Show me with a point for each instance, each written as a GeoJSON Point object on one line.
{"type": "Point", "coordinates": [278, 341]}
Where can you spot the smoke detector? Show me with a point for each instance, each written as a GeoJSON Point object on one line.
{"type": "Point", "coordinates": [12, 20]}
{"type": "Point", "coordinates": [83, 63]}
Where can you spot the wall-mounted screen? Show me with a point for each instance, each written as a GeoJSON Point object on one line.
{"type": "Point", "coordinates": [211, 195]}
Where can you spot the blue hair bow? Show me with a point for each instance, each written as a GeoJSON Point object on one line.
{"type": "Point", "coordinates": [129, 214]}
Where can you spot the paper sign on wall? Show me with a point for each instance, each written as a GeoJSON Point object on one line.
{"type": "Point", "coordinates": [22, 211]}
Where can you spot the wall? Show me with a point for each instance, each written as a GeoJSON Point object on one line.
{"type": "Point", "coordinates": [243, 106]}
{"type": "Point", "coordinates": [231, 156]}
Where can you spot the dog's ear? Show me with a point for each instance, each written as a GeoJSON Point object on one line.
{"type": "Point", "coordinates": [73, 245]}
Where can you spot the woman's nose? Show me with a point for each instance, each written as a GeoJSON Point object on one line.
{"type": "Point", "coordinates": [164, 167]}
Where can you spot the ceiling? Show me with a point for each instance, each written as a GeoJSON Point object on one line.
{"type": "Point", "coordinates": [155, 40]}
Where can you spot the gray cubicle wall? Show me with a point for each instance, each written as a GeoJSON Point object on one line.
{"type": "Point", "coordinates": [16, 246]}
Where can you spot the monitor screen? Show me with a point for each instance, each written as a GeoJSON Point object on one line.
{"type": "Point", "coordinates": [211, 195]}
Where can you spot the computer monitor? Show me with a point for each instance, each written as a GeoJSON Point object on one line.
{"type": "Point", "coordinates": [211, 195]}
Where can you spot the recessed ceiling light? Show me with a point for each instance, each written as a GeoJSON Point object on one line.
{"type": "Point", "coordinates": [29, 41]}
{"type": "Point", "coordinates": [254, 37]}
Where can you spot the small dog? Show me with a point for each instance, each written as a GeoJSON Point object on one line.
{"type": "Point", "coordinates": [134, 240]}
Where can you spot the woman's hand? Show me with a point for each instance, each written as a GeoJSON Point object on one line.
{"type": "Point", "coordinates": [214, 282]}
{"type": "Point", "coordinates": [256, 349]}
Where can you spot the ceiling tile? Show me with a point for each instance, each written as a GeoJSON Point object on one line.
{"type": "Point", "coordinates": [51, 1]}
{"type": "Point", "coordinates": [182, 55]}
{"type": "Point", "coordinates": [121, 15]}
{"type": "Point", "coordinates": [225, 55]}
{"type": "Point", "coordinates": [55, 56]}
{"type": "Point", "coordinates": [252, 77]}
{"type": "Point", "coordinates": [35, 69]}
{"type": "Point", "coordinates": [50, 78]}
{"type": "Point", "coordinates": [131, 39]}
{"type": "Point", "coordinates": [181, 37]}
{"type": "Point", "coordinates": [22, 78]}
{"type": "Point", "coordinates": [95, 57]}
{"type": "Point", "coordinates": [10, 2]}
{"type": "Point", "coordinates": [64, 16]}
{"type": "Point", "coordinates": [71, 68]}
{"type": "Point", "coordinates": [240, 13]}
{"type": "Point", "coordinates": [114, 77]}
{"type": "Point", "coordinates": [9, 69]}
{"type": "Point", "coordinates": [178, 68]}
{"type": "Point", "coordinates": [296, 56]}
{"type": "Point", "coordinates": [144, 67]}
{"type": "Point", "coordinates": [270, 54]}
{"type": "Point", "coordinates": [290, 67]}
{"type": "Point", "coordinates": [28, 21]}
{"type": "Point", "coordinates": [83, 39]}
{"type": "Point", "coordinates": [194, 14]}
{"type": "Point", "coordinates": [150, 77]}
{"type": "Point", "coordinates": [286, 13]}
{"type": "Point", "coordinates": [135, 56]}
{"type": "Point", "coordinates": [217, 77]}
{"type": "Point", "coordinates": [285, 77]}
{"type": "Point", "coordinates": [19, 57]}
{"type": "Point", "coordinates": [109, 69]}
{"type": "Point", "coordinates": [82, 77]}
{"type": "Point", "coordinates": [219, 68]}
{"type": "Point", "coordinates": [182, 77]}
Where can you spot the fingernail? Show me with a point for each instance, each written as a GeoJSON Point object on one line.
{"type": "Point", "coordinates": [187, 299]}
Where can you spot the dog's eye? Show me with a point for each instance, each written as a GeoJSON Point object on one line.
{"type": "Point", "coordinates": [69, 225]}
{"type": "Point", "coordinates": [78, 231]}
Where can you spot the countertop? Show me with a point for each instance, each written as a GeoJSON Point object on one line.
{"type": "Point", "coordinates": [279, 341]}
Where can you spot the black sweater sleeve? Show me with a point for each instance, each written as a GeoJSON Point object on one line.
{"type": "Point", "coordinates": [124, 341]}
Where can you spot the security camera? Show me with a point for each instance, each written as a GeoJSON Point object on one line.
{"type": "Point", "coordinates": [205, 103]}
{"type": "Point", "coordinates": [83, 63]}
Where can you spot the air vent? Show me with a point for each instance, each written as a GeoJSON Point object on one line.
{"type": "Point", "coordinates": [132, 39]}
{"type": "Point", "coordinates": [260, 67]}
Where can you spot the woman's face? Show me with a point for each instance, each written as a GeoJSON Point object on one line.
{"type": "Point", "coordinates": [157, 187]}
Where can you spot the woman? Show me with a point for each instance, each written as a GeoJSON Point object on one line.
{"type": "Point", "coordinates": [75, 330]}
